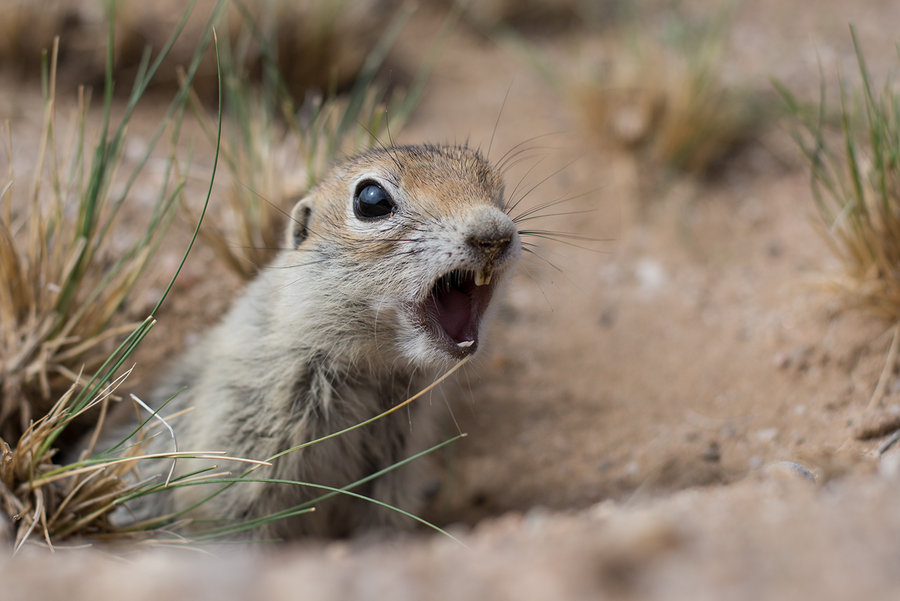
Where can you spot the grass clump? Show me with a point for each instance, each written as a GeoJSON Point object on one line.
{"type": "Point", "coordinates": [855, 180]}
{"type": "Point", "coordinates": [66, 272]}
{"type": "Point", "coordinates": [58, 501]}
{"type": "Point", "coordinates": [664, 97]}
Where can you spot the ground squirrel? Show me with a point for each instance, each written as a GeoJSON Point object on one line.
{"type": "Point", "coordinates": [391, 263]}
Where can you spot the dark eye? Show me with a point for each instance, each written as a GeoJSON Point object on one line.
{"type": "Point", "coordinates": [372, 202]}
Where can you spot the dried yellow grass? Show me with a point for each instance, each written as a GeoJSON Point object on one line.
{"type": "Point", "coordinates": [57, 502]}
{"type": "Point", "coordinates": [61, 283]}
{"type": "Point", "coordinates": [62, 287]}
{"type": "Point", "coordinates": [55, 508]}
{"type": "Point", "coordinates": [667, 101]}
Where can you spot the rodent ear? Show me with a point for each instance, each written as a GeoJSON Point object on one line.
{"type": "Point", "coordinates": [298, 231]}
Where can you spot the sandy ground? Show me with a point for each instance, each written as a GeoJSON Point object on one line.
{"type": "Point", "coordinates": [638, 423]}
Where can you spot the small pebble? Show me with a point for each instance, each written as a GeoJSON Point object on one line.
{"type": "Point", "coordinates": [766, 434]}
{"type": "Point", "coordinates": [651, 275]}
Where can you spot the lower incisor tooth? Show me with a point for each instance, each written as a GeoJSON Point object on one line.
{"type": "Point", "coordinates": [465, 344]}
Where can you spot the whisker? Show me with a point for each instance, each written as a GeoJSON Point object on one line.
{"type": "Point", "coordinates": [534, 253]}
{"type": "Point", "coordinates": [509, 208]}
{"type": "Point", "coordinates": [540, 183]}
{"type": "Point", "coordinates": [564, 237]}
{"type": "Point", "coordinates": [535, 209]}
{"type": "Point", "coordinates": [512, 155]}
{"type": "Point", "coordinates": [262, 197]}
{"type": "Point", "coordinates": [497, 121]}
{"type": "Point", "coordinates": [519, 147]}
{"type": "Point", "coordinates": [537, 282]}
{"type": "Point", "coordinates": [387, 149]}
{"type": "Point", "coordinates": [250, 247]}
{"type": "Point", "coordinates": [550, 215]}
{"type": "Point", "coordinates": [298, 265]}
{"type": "Point", "coordinates": [521, 158]}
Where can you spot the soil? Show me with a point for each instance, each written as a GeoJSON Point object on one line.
{"type": "Point", "coordinates": [668, 408]}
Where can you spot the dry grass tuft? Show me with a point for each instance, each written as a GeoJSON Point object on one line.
{"type": "Point", "coordinates": [59, 501]}
{"type": "Point", "coordinates": [664, 97]}
{"type": "Point", "coordinates": [855, 179]}
{"type": "Point", "coordinates": [64, 276]}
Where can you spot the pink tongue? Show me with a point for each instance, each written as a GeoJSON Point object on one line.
{"type": "Point", "coordinates": [454, 313]}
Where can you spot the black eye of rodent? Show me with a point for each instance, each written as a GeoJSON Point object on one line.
{"type": "Point", "coordinates": [372, 202]}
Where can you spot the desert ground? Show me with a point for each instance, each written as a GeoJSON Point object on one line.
{"type": "Point", "coordinates": [668, 408]}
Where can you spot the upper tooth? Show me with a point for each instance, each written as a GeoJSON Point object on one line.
{"type": "Point", "coordinates": [483, 277]}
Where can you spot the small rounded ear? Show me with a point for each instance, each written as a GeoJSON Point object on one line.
{"type": "Point", "coordinates": [298, 229]}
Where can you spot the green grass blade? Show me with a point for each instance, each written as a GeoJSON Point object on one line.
{"type": "Point", "coordinates": [236, 528]}
{"type": "Point", "coordinates": [209, 189]}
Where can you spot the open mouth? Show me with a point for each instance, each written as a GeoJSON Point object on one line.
{"type": "Point", "coordinates": [454, 308]}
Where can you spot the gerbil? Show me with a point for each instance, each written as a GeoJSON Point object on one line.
{"type": "Point", "coordinates": [391, 263]}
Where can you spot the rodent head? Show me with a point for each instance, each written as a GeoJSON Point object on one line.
{"type": "Point", "coordinates": [412, 242]}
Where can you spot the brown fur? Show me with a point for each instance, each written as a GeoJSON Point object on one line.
{"type": "Point", "coordinates": [331, 334]}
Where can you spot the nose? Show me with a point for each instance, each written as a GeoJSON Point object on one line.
{"type": "Point", "coordinates": [490, 247]}
{"type": "Point", "coordinates": [491, 235]}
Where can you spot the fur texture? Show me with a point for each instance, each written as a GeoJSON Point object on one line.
{"type": "Point", "coordinates": [335, 331]}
